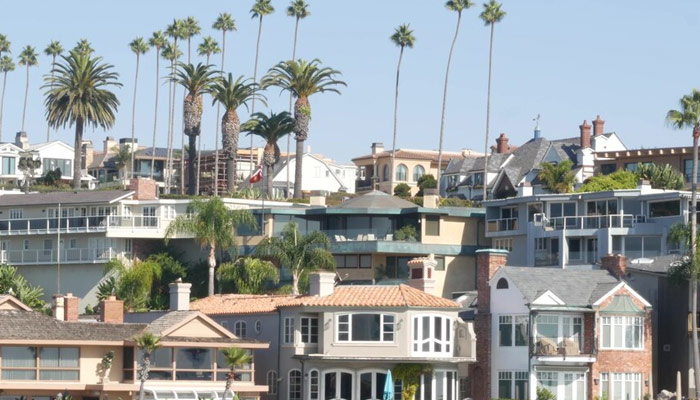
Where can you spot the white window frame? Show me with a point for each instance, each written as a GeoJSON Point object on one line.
{"type": "Point", "coordinates": [16, 213]}
{"type": "Point", "coordinates": [503, 244]}
{"type": "Point", "coordinates": [514, 321]}
{"type": "Point", "coordinates": [240, 329]}
{"type": "Point", "coordinates": [623, 377]}
{"type": "Point", "coordinates": [418, 339]}
{"type": "Point", "coordinates": [312, 338]}
{"type": "Point", "coordinates": [25, 244]}
{"type": "Point", "coordinates": [72, 243]}
{"type": "Point", "coordinates": [420, 395]}
{"type": "Point", "coordinates": [289, 384]}
{"type": "Point", "coordinates": [358, 383]}
{"type": "Point", "coordinates": [382, 331]}
{"type": "Point", "coordinates": [288, 333]}
{"type": "Point", "coordinates": [314, 389]}
{"type": "Point", "coordinates": [512, 377]}
{"type": "Point", "coordinates": [625, 323]}
{"type": "Point", "coordinates": [561, 379]}
{"type": "Point", "coordinates": [271, 381]}
{"type": "Point", "coordinates": [258, 326]}
{"type": "Point", "coordinates": [561, 327]}
{"type": "Point", "coordinates": [338, 380]}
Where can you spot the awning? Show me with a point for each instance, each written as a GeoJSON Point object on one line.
{"type": "Point", "coordinates": [185, 394]}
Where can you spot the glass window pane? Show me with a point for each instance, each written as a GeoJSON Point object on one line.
{"type": "Point", "coordinates": [366, 327]}
{"type": "Point", "coordinates": [194, 358]}
{"type": "Point", "coordinates": [19, 357]}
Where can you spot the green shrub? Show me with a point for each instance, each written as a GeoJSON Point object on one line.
{"type": "Point", "coordinates": [545, 394]}
{"type": "Point", "coordinates": [455, 202]}
{"type": "Point", "coordinates": [621, 179]}
{"type": "Point", "coordinates": [402, 190]}
{"type": "Point", "coordinates": [407, 233]}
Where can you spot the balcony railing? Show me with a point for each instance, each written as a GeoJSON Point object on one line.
{"type": "Point", "coordinates": [67, 256]}
{"type": "Point", "coordinates": [134, 222]}
{"type": "Point", "coordinates": [590, 221]}
{"type": "Point", "coordinates": [545, 346]}
{"type": "Point", "coordinates": [101, 223]}
{"type": "Point", "coordinates": [363, 184]}
{"type": "Point", "coordinates": [502, 224]}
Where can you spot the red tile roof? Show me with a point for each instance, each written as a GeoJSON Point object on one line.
{"type": "Point", "coordinates": [414, 155]}
{"type": "Point", "coordinates": [233, 304]}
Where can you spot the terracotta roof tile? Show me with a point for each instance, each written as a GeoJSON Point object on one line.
{"type": "Point", "coordinates": [374, 296]}
{"type": "Point", "coordinates": [233, 304]}
{"type": "Point", "coordinates": [414, 155]}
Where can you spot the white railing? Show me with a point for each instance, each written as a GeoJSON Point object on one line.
{"type": "Point", "coordinates": [103, 223]}
{"type": "Point", "coordinates": [502, 224]}
{"type": "Point", "coordinates": [67, 256]}
{"type": "Point", "coordinates": [134, 222]}
{"type": "Point", "coordinates": [589, 221]}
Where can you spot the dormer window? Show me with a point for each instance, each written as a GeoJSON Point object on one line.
{"type": "Point", "coordinates": [502, 284]}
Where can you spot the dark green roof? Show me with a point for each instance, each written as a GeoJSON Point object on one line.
{"type": "Point", "coordinates": [622, 304]}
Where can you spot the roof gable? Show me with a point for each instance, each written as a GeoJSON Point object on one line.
{"type": "Point", "coordinates": [8, 302]}
{"type": "Point", "coordinates": [622, 304]}
{"type": "Point", "coordinates": [618, 288]}
{"type": "Point", "coordinates": [188, 324]}
{"type": "Point", "coordinates": [548, 298]}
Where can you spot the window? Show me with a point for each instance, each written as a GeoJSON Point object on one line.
{"type": "Point", "coordinates": [432, 334]}
{"type": "Point", "coordinates": [439, 385]}
{"type": "Point", "coordinates": [574, 386]}
{"type": "Point", "coordinates": [271, 382]}
{"type": "Point", "coordinates": [602, 207]}
{"type": "Point", "coordinates": [401, 173]}
{"type": "Point", "coordinates": [532, 209]}
{"type": "Point", "coordinates": [314, 384]}
{"type": "Point", "coordinates": [606, 169]}
{"type": "Point", "coordinates": [575, 253]}
{"type": "Point", "coordinates": [294, 385]}
{"type": "Point", "coordinates": [503, 244]}
{"type": "Point", "coordinates": [638, 246]}
{"type": "Point", "coordinates": [72, 243]}
{"type": "Point", "coordinates": [385, 173]}
{"type": "Point", "coordinates": [555, 332]}
{"type": "Point", "coordinates": [8, 165]}
{"type": "Point", "coordinates": [502, 284]}
{"type": "Point", "coordinates": [337, 384]}
{"type": "Point", "coordinates": [50, 164]}
{"type": "Point", "coordinates": [169, 212]}
{"type": "Point", "coordinates": [548, 380]}
{"type": "Point", "coordinates": [16, 213]}
{"type": "Point", "coordinates": [371, 385]}
{"type": "Point", "coordinates": [624, 386]}
{"type": "Point", "coordinates": [309, 330]}
{"type": "Point", "coordinates": [631, 166]}
{"type": "Point", "coordinates": [622, 332]}
{"type": "Point", "coordinates": [418, 171]}
{"type": "Point", "coordinates": [432, 225]}
{"type": "Point", "coordinates": [397, 267]}
{"type": "Point", "coordinates": [353, 260]}
{"type": "Point", "coordinates": [688, 170]}
{"type": "Point", "coordinates": [194, 364]}
{"type": "Point", "coordinates": [289, 330]}
{"type": "Point", "coordinates": [55, 363]}
{"type": "Point", "coordinates": [509, 388]}
{"type": "Point", "coordinates": [240, 329]}
{"type": "Point", "coordinates": [440, 263]}
{"type": "Point", "coordinates": [365, 328]}
{"type": "Point", "coordinates": [512, 330]}
{"type": "Point", "coordinates": [669, 208]}
{"type": "Point", "coordinates": [258, 326]}
{"type": "Point", "coordinates": [25, 244]}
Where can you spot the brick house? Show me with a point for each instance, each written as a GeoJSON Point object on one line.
{"type": "Point", "coordinates": [579, 333]}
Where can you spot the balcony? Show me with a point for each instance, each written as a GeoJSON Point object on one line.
{"type": "Point", "coordinates": [67, 256]}
{"type": "Point", "coordinates": [365, 235]}
{"type": "Point", "coordinates": [590, 221]}
{"type": "Point", "coordinates": [560, 349]}
{"type": "Point", "coordinates": [28, 226]}
{"type": "Point", "coordinates": [363, 184]}
{"type": "Point", "coordinates": [502, 225]}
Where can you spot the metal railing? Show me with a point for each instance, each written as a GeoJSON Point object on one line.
{"type": "Point", "coordinates": [502, 224]}
{"type": "Point", "coordinates": [68, 256]}
{"type": "Point", "coordinates": [363, 183]}
{"type": "Point", "coordinates": [555, 347]}
{"type": "Point", "coordinates": [133, 222]}
{"type": "Point", "coordinates": [360, 235]}
{"type": "Point", "coordinates": [590, 221]}
{"type": "Point", "coordinates": [101, 223]}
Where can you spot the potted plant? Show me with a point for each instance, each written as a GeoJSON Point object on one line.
{"type": "Point", "coordinates": [106, 366]}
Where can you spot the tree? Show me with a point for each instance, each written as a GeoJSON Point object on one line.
{"type": "Point", "coordinates": [208, 47]}
{"type": "Point", "coordinates": [426, 182]}
{"type": "Point", "coordinates": [134, 283]}
{"type": "Point", "coordinates": [158, 41]}
{"type": "Point", "coordinates": [27, 58]}
{"type": "Point", "coordinates": [247, 276]}
{"type": "Point", "coordinates": [302, 79]}
{"type": "Point", "coordinates": [80, 94]}
{"type": "Point", "coordinates": [234, 356]}
{"type": "Point", "coordinates": [176, 30]}
{"type": "Point", "coordinates": [213, 225]}
{"type": "Point", "coordinates": [661, 176]}
{"type": "Point", "coordinates": [223, 23]}
{"type": "Point", "coordinates": [402, 190]}
{"type": "Point", "coordinates": [402, 37]}
{"type": "Point", "coordinates": [6, 65]}
{"type": "Point", "coordinates": [197, 81]}
{"type": "Point", "coordinates": [457, 6]}
{"type": "Point", "coordinates": [557, 178]}
{"type": "Point", "coordinates": [233, 94]}
{"type": "Point", "coordinates": [491, 15]}
{"type": "Point", "coordinates": [139, 47]}
{"type": "Point", "coordinates": [4, 45]}
{"type": "Point", "coordinates": [299, 253]}
{"type": "Point", "coordinates": [172, 54]}
{"type": "Point", "coordinates": [53, 50]}
{"type": "Point", "coordinates": [689, 117]}
{"type": "Point", "coordinates": [147, 343]}
{"type": "Point", "coordinates": [271, 129]}
{"type": "Point", "coordinates": [192, 29]}
{"type": "Point", "coordinates": [123, 156]}
{"type": "Point", "coordinates": [620, 179]}
{"type": "Point", "coordinates": [15, 284]}
{"type": "Point", "coordinates": [28, 164]}
{"type": "Point", "coordinates": [84, 47]}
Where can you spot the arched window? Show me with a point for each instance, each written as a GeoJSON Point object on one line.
{"type": "Point", "coordinates": [432, 334]}
{"type": "Point", "coordinates": [401, 173]}
{"type": "Point", "coordinates": [418, 171]}
{"type": "Point", "coordinates": [371, 384]}
{"type": "Point", "coordinates": [240, 329]}
{"type": "Point", "coordinates": [502, 284]}
{"type": "Point", "coordinates": [272, 382]}
{"type": "Point", "coordinates": [338, 384]}
{"type": "Point", "coordinates": [385, 173]}
{"type": "Point", "coordinates": [314, 384]}
{"type": "Point", "coordinates": [294, 385]}
{"type": "Point", "coordinates": [258, 326]}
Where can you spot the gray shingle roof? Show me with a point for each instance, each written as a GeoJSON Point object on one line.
{"type": "Point", "coordinates": [167, 320]}
{"type": "Point", "coordinates": [376, 199]}
{"type": "Point", "coordinates": [53, 198]}
{"type": "Point", "coordinates": [161, 152]}
{"type": "Point", "coordinates": [659, 265]}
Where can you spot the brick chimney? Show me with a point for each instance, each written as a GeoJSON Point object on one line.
{"type": "Point", "coordinates": [422, 274]}
{"type": "Point", "coordinates": [616, 264]}
{"type": "Point", "coordinates": [598, 126]}
{"type": "Point", "coordinates": [585, 134]}
{"type": "Point", "coordinates": [112, 310]}
{"type": "Point", "coordinates": [502, 144]}
{"type": "Point", "coordinates": [70, 305]}
{"type": "Point", "coordinates": [321, 283]}
{"type": "Point", "coordinates": [145, 188]}
{"type": "Point", "coordinates": [179, 295]}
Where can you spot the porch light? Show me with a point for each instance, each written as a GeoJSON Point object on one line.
{"type": "Point", "coordinates": [646, 382]}
{"type": "Point", "coordinates": [596, 381]}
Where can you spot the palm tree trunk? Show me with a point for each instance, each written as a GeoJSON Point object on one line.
{"type": "Point", "coordinates": [199, 156]}
{"type": "Point", "coordinates": [218, 115]}
{"type": "Point", "coordinates": [26, 94]}
{"type": "Point", "coordinates": [270, 173]}
{"type": "Point", "coordinates": [694, 260]}
{"type": "Point", "coordinates": [155, 113]}
{"type": "Point", "coordinates": [133, 115]}
{"type": "Point", "coordinates": [255, 79]}
{"type": "Point", "coordinates": [172, 133]}
{"type": "Point", "coordinates": [291, 97]}
{"type": "Point", "coordinates": [444, 101]}
{"type": "Point", "coordinates": [171, 116]}
{"type": "Point", "coordinates": [298, 157]}
{"type": "Point", "coordinates": [77, 156]}
{"type": "Point", "coordinates": [396, 117]}
{"type": "Point", "coordinates": [144, 376]}
{"type": "Point", "coordinates": [192, 169]}
{"type": "Point", "coordinates": [2, 101]}
{"type": "Point", "coordinates": [182, 161]}
{"type": "Point", "coordinates": [48, 126]}
{"type": "Point", "coordinates": [211, 261]}
{"type": "Point", "coordinates": [488, 116]}
{"type": "Point", "coordinates": [295, 283]}
{"type": "Point", "coordinates": [230, 128]}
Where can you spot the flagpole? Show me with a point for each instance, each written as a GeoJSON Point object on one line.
{"type": "Point", "coordinates": [58, 255]}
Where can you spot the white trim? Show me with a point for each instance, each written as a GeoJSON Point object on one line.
{"type": "Point", "coordinates": [548, 295]}
{"type": "Point", "coordinates": [418, 338]}
{"type": "Point", "coordinates": [289, 383]}
{"type": "Point", "coordinates": [381, 327]}
{"type": "Point", "coordinates": [618, 287]}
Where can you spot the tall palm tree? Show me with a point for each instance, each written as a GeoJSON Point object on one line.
{"type": "Point", "coordinates": [299, 10]}
{"type": "Point", "coordinates": [402, 37]}
{"type": "Point", "coordinates": [148, 343]}
{"type": "Point", "coordinates": [260, 9]}
{"type": "Point", "coordinates": [208, 47]}
{"type": "Point", "coordinates": [84, 46]}
{"type": "Point", "coordinates": [172, 54]}
{"type": "Point", "coordinates": [4, 45]}
{"type": "Point", "coordinates": [122, 157]}
{"type": "Point", "coordinates": [457, 6]}
{"type": "Point", "coordinates": [232, 94]}
{"type": "Point", "coordinates": [223, 23]}
{"type": "Point", "coordinates": [235, 357]}
{"type": "Point", "coordinates": [192, 29]}
{"type": "Point", "coordinates": [53, 50]}
{"type": "Point", "coordinates": [27, 58]}
{"type": "Point", "coordinates": [158, 41]}
{"type": "Point", "coordinates": [271, 129]}
{"type": "Point", "coordinates": [213, 225]}
{"type": "Point", "coordinates": [302, 79]}
{"type": "Point", "coordinates": [557, 178]}
{"type": "Point", "coordinates": [139, 47]}
{"type": "Point", "coordinates": [301, 254]}
{"type": "Point", "coordinates": [197, 81]}
{"type": "Point", "coordinates": [491, 15]}
{"type": "Point", "coordinates": [689, 117]}
{"type": "Point", "coordinates": [6, 65]}
{"type": "Point", "coordinates": [176, 30]}
{"type": "Point", "coordinates": [80, 94]}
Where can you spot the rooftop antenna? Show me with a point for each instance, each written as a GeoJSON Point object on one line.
{"type": "Point", "coordinates": [538, 133]}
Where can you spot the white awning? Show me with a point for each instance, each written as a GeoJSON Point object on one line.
{"type": "Point", "coordinates": [186, 394]}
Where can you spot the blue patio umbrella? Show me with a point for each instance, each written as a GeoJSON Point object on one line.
{"type": "Point", "coordinates": [388, 387]}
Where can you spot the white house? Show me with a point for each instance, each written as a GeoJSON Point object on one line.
{"type": "Point", "coordinates": [320, 174]}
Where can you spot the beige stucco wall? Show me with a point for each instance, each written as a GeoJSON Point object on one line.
{"type": "Point", "coordinates": [90, 360]}
{"type": "Point", "coordinates": [197, 328]}
{"type": "Point", "coordinates": [459, 275]}
{"type": "Point", "coordinates": [453, 230]}
{"type": "Point", "coordinates": [428, 166]}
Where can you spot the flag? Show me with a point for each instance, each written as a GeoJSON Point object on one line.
{"type": "Point", "coordinates": [257, 175]}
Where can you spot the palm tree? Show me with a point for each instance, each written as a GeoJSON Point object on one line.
{"type": "Point", "coordinates": [139, 47]}
{"type": "Point", "coordinates": [260, 9]}
{"type": "Point", "coordinates": [192, 29]}
{"type": "Point", "coordinates": [148, 343]}
{"type": "Point", "coordinates": [122, 158]}
{"type": "Point", "coordinates": [158, 41]}
{"type": "Point", "coordinates": [234, 356]}
{"type": "Point", "coordinates": [213, 225]}
{"type": "Point", "coordinates": [458, 6]}
{"type": "Point", "coordinates": [271, 129]}
{"type": "Point", "coordinates": [302, 79]}
{"type": "Point", "coordinates": [689, 117]}
{"type": "Point", "coordinates": [84, 47]}
{"type": "Point", "coordinates": [223, 23]}
{"type": "Point", "coordinates": [4, 45]}
{"type": "Point", "coordinates": [233, 94]}
{"type": "Point", "coordinates": [557, 178]}
{"type": "Point", "coordinates": [176, 30]}
{"type": "Point", "coordinates": [54, 49]}
{"type": "Point", "coordinates": [197, 81]}
{"type": "Point", "coordinates": [172, 54]}
{"type": "Point", "coordinates": [301, 254]}
{"type": "Point", "coordinates": [299, 10]}
{"type": "Point", "coordinates": [208, 47]}
{"type": "Point", "coordinates": [402, 37]}
{"type": "Point", "coordinates": [6, 65]}
{"type": "Point", "coordinates": [491, 15]}
{"type": "Point", "coordinates": [80, 94]}
{"type": "Point", "coordinates": [28, 58]}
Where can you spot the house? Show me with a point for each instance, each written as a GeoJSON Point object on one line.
{"type": "Point", "coordinates": [580, 334]}
{"type": "Point", "coordinates": [680, 158]}
{"type": "Point", "coordinates": [246, 163]}
{"type": "Point", "coordinates": [339, 341]}
{"type": "Point", "coordinates": [321, 175]}
{"type": "Point", "coordinates": [86, 357]}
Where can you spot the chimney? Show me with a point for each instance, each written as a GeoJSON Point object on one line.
{"type": "Point", "coordinates": [88, 151]}
{"type": "Point", "coordinates": [179, 295]}
{"type": "Point", "coordinates": [133, 146]}
{"type": "Point", "coordinates": [58, 308]}
{"type": "Point", "coordinates": [145, 188]}
{"type": "Point", "coordinates": [585, 134]}
{"type": "Point", "coordinates": [644, 186]}
{"type": "Point", "coordinates": [502, 144]}
{"type": "Point", "coordinates": [308, 149]}
{"type": "Point", "coordinates": [431, 199]}
{"type": "Point", "coordinates": [422, 274]}
{"type": "Point", "coordinates": [112, 311]}
{"type": "Point", "coordinates": [317, 200]}
{"type": "Point", "coordinates": [488, 261]}
{"type": "Point", "coordinates": [70, 304]}
{"type": "Point", "coordinates": [598, 126]}
{"type": "Point", "coordinates": [321, 283]}
{"type": "Point", "coordinates": [377, 147]}
{"type": "Point", "coordinates": [616, 264]}
{"type": "Point", "coordinates": [21, 140]}
{"type": "Point", "coordinates": [108, 143]}
{"type": "Point", "coordinates": [524, 189]}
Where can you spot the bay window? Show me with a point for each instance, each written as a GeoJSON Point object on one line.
{"type": "Point", "coordinates": [555, 332]}
{"type": "Point", "coordinates": [432, 335]}
{"type": "Point", "coordinates": [622, 332]}
{"type": "Point", "coordinates": [54, 363]}
{"type": "Point", "coordinates": [365, 327]}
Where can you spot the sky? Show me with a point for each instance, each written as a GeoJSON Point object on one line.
{"type": "Point", "coordinates": [627, 61]}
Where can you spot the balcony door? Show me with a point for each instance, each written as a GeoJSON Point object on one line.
{"type": "Point", "coordinates": [370, 384]}
{"type": "Point", "coordinates": [337, 385]}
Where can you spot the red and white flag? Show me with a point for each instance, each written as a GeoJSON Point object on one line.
{"type": "Point", "coordinates": [257, 175]}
